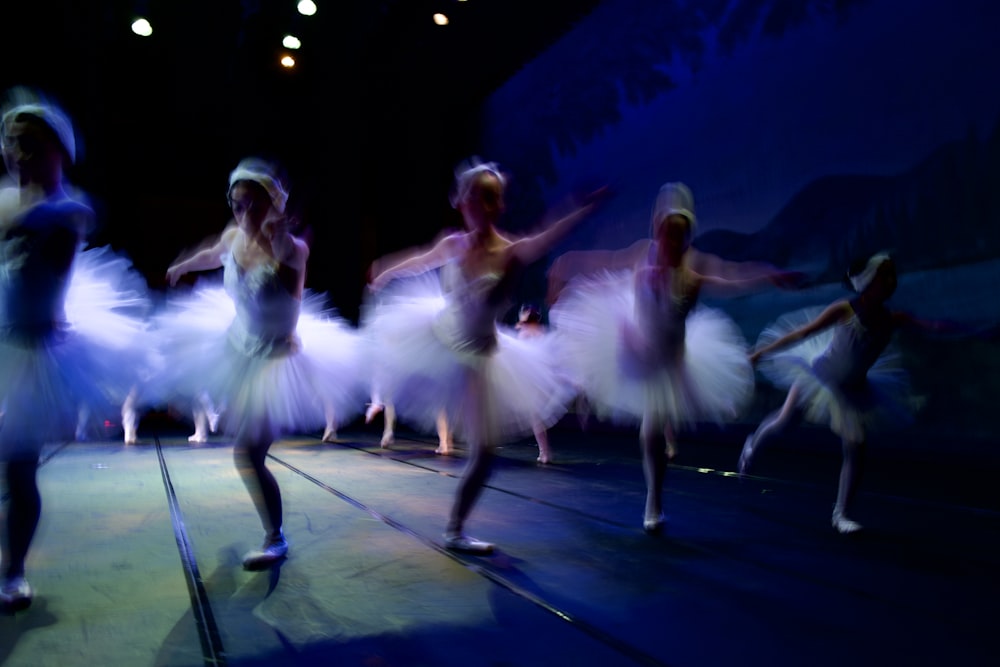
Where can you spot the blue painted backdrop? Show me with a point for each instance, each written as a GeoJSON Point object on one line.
{"type": "Point", "coordinates": [811, 132]}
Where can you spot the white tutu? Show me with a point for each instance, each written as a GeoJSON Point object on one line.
{"type": "Point", "coordinates": [293, 386]}
{"type": "Point", "coordinates": [519, 381]}
{"type": "Point", "coordinates": [709, 380]}
{"type": "Point", "coordinates": [832, 392]}
{"type": "Point", "coordinates": [91, 361]}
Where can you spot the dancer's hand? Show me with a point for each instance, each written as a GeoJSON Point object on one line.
{"type": "Point", "coordinates": [174, 274]}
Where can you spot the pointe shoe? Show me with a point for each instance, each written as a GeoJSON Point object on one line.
{"type": "Point", "coordinates": [387, 439]}
{"type": "Point", "coordinates": [843, 525]}
{"type": "Point", "coordinates": [653, 525]}
{"type": "Point", "coordinates": [198, 438]}
{"type": "Point", "coordinates": [746, 455]}
{"type": "Point", "coordinates": [270, 553]}
{"type": "Point", "coordinates": [443, 448]}
{"type": "Point", "coordinates": [373, 409]}
{"type": "Point", "coordinates": [330, 435]}
{"type": "Point", "coordinates": [16, 594]}
{"type": "Point", "coordinates": [213, 421]}
{"type": "Point", "coordinates": [466, 544]}
{"type": "Point", "coordinates": [130, 437]}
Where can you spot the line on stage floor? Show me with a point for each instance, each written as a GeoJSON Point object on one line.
{"type": "Point", "coordinates": [591, 630]}
{"type": "Point", "coordinates": [208, 631]}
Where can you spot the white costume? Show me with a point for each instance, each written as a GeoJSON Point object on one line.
{"type": "Point", "coordinates": [849, 376]}
{"type": "Point", "coordinates": [270, 358]}
{"type": "Point", "coordinates": [439, 346]}
{"type": "Point", "coordinates": [637, 352]}
{"type": "Point", "coordinates": [65, 342]}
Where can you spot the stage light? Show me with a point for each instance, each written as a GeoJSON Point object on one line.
{"type": "Point", "coordinates": [291, 42]}
{"type": "Point", "coordinates": [142, 27]}
{"type": "Point", "coordinates": [441, 19]}
{"type": "Point", "coordinates": [306, 7]}
{"type": "Point", "coordinates": [287, 61]}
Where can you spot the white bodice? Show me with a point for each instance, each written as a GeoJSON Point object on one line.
{"type": "Point", "coordinates": [855, 347]}
{"type": "Point", "coordinates": [266, 313]}
{"type": "Point", "coordinates": [32, 294]}
{"type": "Point", "coordinates": [468, 321]}
{"type": "Point", "coordinates": [662, 315]}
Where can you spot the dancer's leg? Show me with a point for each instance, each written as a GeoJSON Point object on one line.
{"type": "Point", "coordinates": [771, 425]}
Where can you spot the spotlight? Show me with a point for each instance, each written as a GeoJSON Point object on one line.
{"type": "Point", "coordinates": [441, 19]}
{"type": "Point", "coordinates": [291, 42]}
{"type": "Point", "coordinates": [142, 28]}
{"type": "Point", "coordinates": [306, 7]}
{"type": "Point", "coordinates": [287, 61]}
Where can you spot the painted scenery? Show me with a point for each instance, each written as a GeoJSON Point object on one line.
{"type": "Point", "coordinates": [812, 133]}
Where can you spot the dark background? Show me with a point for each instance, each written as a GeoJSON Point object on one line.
{"type": "Point", "coordinates": [382, 105]}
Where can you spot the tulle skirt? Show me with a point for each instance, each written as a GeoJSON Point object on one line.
{"type": "Point", "coordinates": [709, 380]}
{"type": "Point", "coordinates": [494, 396]}
{"type": "Point", "coordinates": [319, 375]}
{"type": "Point", "coordinates": [883, 399]}
{"type": "Point", "coordinates": [92, 362]}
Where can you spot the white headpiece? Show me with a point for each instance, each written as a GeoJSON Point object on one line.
{"type": "Point", "coordinates": [260, 173]}
{"type": "Point", "coordinates": [466, 173]}
{"type": "Point", "coordinates": [673, 198]}
{"type": "Point", "coordinates": [862, 280]}
{"type": "Point", "coordinates": [46, 112]}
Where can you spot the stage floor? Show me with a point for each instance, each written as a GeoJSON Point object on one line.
{"type": "Point", "coordinates": [137, 560]}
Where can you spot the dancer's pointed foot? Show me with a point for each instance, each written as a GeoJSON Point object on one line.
{"type": "Point", "coordinates": [330, 434]}
{"type": "Point", "coordinates": [671, 450]}
{"type": "Point", "coordinates": [373, 409]}
{"type": "Point", "coordinates": [653, 524]}
{"type": "Point", "coordinates": [387, 439]}
{"type": "Point", "coordinates": [746, 456]}
{"type": "Point", "coordinates": [444, 448]}
{"type": "Point", "coordinates": [130, 437]}
{"type": "Point", "coordinates": [466, 544]}
{"type": "Point", "coordinates": [198, 438]}
{"type": "Point", "coordinates": [213, 421]}
{"type": "Point", "coordinates": [843, 525]}
{"type": "Point", "coordinates": [273, 551]}
{"type": "Point", "coordinates": [15, 594]}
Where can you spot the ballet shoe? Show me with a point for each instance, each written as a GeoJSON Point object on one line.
{"type": "Point", "coordinates": [198, 438]}
{"type": "Point", "coordinates": [466, 544]}
{"type": "Point", "coordinates": [387, 439]}
{"type": "Point", "coordinates": [373, 409]}
{"type": "Point", "coordinates": [270, 553]}
{"type": "Point", "coordinates": [330, 435]}
{"type": "Point", "coordinates": [843, 525]}
{"type": "Point", "coordinates": [746, 455]}
{"type": "Point", "coordinates": [130, 437]}
{"type": "Point", "coordinates": [443, 448]}
{"type": "Point", "coordinates": [16, 594]}
{"type": "Point", "coordinates": [213, 421]}
{"type": "Point", "coordinates": [653, 525]}
{"type": "Point", "coordinates": [671, 451]}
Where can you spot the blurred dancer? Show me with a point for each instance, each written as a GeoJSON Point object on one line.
{"type": "Point", "coordinates": [275, 356]}
{"type": "Point", "coordinates": [529, 325]}
{"type": "Point", "coordinates": [840, 370]}
{"type": "Point", "coordinates": [47, 368]}
{"type": "Point", "coordinates": [419, 296]}
{"type": "Point", "coordinates": [493, 387]}
{"type": "Point", "coordinates": [644, 351]}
